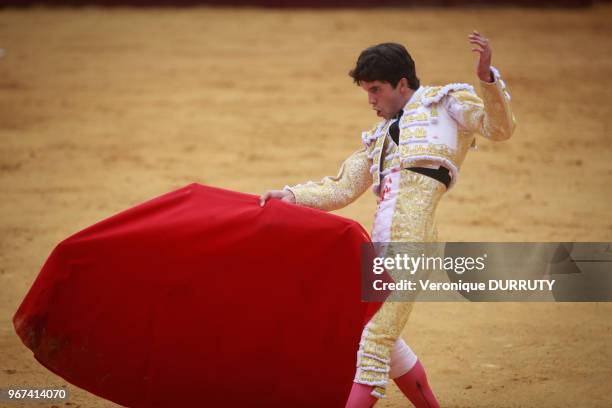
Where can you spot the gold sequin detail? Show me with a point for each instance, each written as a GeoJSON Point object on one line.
{"type": "Point", "coordinates": [412, 106]}
{"type": "Point", "coordinates": [332, 193]}
{"type": "Point", "coordinates": [434, 112]}
{"type": "Point", "coordinates": [432, 91]}
{"type": "Point", "coordinates": [413, 218]}
{"type": "Point", "coordinates": [416, 133]}
{"type": "Point", "coordinates": [437, 150]}
{"type": "Point", "coordinates": [417, 117]}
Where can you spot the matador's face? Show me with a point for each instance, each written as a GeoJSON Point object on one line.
{"type": "Point", "coordinates": [384, 99]}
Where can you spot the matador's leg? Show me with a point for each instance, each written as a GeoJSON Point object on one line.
{"type": "Point", "coordinates": [409, 375]}
{"type": "Point", "coordinates": [412, 222]}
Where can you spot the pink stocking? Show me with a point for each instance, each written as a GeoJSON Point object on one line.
{"type": "Point", "coordinates": [360, 397]}
{"type": "Point", "coordinates": [414, 385]}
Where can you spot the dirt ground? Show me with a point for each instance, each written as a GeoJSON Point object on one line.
{"type": "Point", "coordinates": [101, 109]}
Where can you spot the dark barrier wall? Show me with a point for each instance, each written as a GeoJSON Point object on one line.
{"type": "Point", "coordinates": [308, 3]}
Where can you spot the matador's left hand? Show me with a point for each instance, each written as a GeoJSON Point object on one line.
{"type": "Point", "coordinates": [482, 46]}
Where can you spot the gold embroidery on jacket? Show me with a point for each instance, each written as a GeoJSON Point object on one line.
{"type": "Point", "coordinates": [417, 117]}
{"type": "Point", "coordinates": [417, 133]}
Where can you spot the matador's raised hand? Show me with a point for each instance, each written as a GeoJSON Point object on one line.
{"type": "Point", "coordinates": [482, 46]}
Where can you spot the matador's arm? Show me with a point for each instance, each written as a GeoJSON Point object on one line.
{"type": "Point", "coordinates": [332, 193]}
{"type": "Point", "coordinates": [490, 116]}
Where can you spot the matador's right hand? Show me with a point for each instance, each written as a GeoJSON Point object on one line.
{"type": "Point", "coordinates": [283, 195]}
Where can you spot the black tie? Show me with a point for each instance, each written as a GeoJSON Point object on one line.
{"type": "Point", "coordinates": [394, 128]}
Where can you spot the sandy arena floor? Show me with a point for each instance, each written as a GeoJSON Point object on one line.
{"type": "Point", "coordinates": [101, 109]}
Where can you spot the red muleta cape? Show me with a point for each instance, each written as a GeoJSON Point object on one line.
{"type": "Point", "coordinates": [200, 297]}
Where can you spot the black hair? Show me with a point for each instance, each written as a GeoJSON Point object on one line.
{"type": "Point", "coordinates": [387, 62]}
